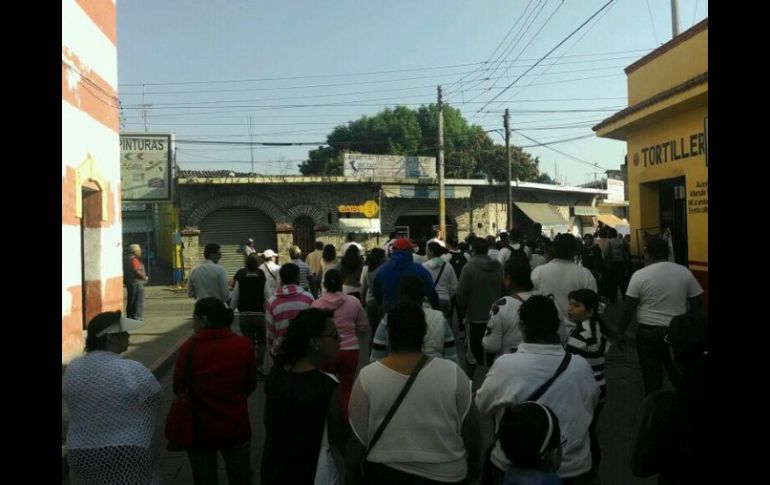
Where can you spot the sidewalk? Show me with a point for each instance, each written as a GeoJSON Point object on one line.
{"type": "Point", "coordinates": [168, 314]}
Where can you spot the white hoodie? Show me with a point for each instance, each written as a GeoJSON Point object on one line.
{"type": "Point", "coordinates": [446, 286]}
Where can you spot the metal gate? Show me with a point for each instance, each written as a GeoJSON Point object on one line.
{"type": "Point", "coordinates": [231, 228]}
{"type": "Point", "coordinates": [304, 234]}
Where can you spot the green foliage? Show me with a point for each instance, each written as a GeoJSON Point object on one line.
{"type": "Point", "coordinates": [468, 151]}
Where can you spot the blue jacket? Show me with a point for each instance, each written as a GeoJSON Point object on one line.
{"type": "Point", "coordinates": [385, 288]}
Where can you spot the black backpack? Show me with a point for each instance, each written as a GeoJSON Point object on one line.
{"type": "Point", "coordinates": [458, 261]}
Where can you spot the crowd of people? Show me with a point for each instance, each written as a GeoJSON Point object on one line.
{"type": "Point", "coordinates": [504, 330]}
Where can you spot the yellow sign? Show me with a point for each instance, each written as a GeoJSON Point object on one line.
{"type": "Point", "coordinates": [369, 208]}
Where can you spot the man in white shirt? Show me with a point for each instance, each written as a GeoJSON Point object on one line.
{"type": "Point", "coordinates": [351, 242]}
{"type": "Point", "coordinates": [573, 395]}
{"type": "Point", "coordinates": [208, 279]}
{"type": "Point", "coordinates": [436, 237]}
{"type": "Point", "coordinates": [561, 276]}
{"type": "Point", "coordinates": [270, 268]}
{"type": "Point", "coordinates": [656, 294]}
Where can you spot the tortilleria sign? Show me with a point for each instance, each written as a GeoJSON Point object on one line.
{"type": "Point", "coordinates": [673, 150]}
{"type": "Point", "coordinates": [369, 208]}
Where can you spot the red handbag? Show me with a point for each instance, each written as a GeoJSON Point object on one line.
{"type": "Point", "coordinates": [179, 422]}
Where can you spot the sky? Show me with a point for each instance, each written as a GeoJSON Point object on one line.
{"type": "Point", "coordinates": [206, 70]}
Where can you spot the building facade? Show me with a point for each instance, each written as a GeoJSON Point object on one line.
{"type": "Point", "coordinates": [665, 127]}
{"type": "Point", "coordinates": [92, 276]}
{"type": "Point", "coordinates": [281, 211]}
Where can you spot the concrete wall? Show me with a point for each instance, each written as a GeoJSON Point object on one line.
{"type": "Point", "coordinates": [90, 168]}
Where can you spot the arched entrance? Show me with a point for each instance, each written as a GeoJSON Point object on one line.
{"type": "Point", "coordinates": [231, 227]}
{"type": "Point", "coordinates": [304, 234]}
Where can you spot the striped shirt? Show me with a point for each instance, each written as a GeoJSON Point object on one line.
{"type": "Point", "coordinates": [439, 340]}
{"type": "Point", "coordinates": [592, 347]}
{"type": "Point", "coordinates": [280, 309]}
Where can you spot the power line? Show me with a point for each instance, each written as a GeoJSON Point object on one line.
{"type": "Point", "coordinates": [563, 54]}
{"type": "Point", "coordinates": [572, 157]}
{"type": "Point", "coordinates": [511, 45]}
{"type": "Point", "coordinates": [547, 54]}
{"type": "Point", "coordinates": [494, 84]}
{"type": "Point", "coordinates": [649, 10]}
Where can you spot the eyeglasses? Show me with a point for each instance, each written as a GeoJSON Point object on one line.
{"type": "Point", "coordinates": [665, 339]}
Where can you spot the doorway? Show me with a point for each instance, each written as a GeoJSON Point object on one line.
{"type": "Point", "coordinates": [672, 196]}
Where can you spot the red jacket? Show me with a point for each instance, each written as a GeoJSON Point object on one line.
{"type": "Point", "coordinates": [224, 375]}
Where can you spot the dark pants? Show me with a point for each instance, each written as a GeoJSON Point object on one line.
{"type": "Point", "coordinates": [135, 300]}
{"type": "Point", "coordinates": [373, 315]}
{"type": "Point", "coordinates": [475, 333]}
{"type": "Point", "coordinates": [653, 357]}
{"type": "Point", "coordinates": [237, 463]}
{"type": "Point", "coordinates": [596, 452]}
{"type": "Point", "coordinates": [619, 278]}
{"type": "Point", "coordinates": [315, 284]}
{"type": "Point", "coordinates": [253, 328]}
{"type": "Point", "coordinates": [379, 474]}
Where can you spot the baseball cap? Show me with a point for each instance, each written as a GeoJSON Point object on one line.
{"type": "Point", "coordinates": [269, 253]}
{"type": "Point", "coordinates": [403, 244]}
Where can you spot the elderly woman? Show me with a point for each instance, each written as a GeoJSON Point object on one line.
{"type": "Point", "coordinates": [114, 405]}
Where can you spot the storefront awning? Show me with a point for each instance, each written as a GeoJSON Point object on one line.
{"type": "Point", "coordinates": [424, 192]}
{"type": "Point", "coordinates": [581, 210]}
{"type": "Point", "coordinates": [611, 220]}
{"type": "Point", "coordinates": [542, 213]}
{"type": "Point", "coordinates": [360, 225]}
{"type": "Point", "coordinates": [614, 221]}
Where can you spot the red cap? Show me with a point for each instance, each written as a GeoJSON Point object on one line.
{"type": "Point", "coordinates": [403, 244]}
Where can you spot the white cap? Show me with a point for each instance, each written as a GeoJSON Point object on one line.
{"type": "Point", "coordinates": [269, 253]}
{"type": "Point", "coordinates": [124, 325]}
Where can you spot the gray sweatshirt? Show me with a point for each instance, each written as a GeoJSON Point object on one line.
{"type": "Point", "coordinates": [481, 284]}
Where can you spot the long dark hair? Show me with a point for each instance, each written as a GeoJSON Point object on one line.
{"type": "Point", "coordinates": [518, 270]}
{"type": "Point", "coordinates": [351, 263]}
{"type": "Point", "coordinates": [375, 259]}
{"type": "Point", "coordinates": [590, 300]}
{"type": "Point", "coordinates": [309, 323]}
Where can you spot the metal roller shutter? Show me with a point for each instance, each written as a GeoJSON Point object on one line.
{"type": "Point", "coordinates": [231, 227]}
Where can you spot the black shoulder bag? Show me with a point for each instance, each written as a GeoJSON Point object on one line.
{"type": "Point", "coordinates": [420, 364]}
{"type": "Point", "coordinates": [488, 466]}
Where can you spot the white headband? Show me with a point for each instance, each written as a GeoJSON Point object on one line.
{"type": "Point", "coordinates": [550, 428]}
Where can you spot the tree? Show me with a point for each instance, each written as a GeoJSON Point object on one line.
{"type": "Point", "coordinates": [468, 150]}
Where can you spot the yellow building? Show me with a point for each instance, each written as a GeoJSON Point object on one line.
{"type": "Point", "coordinates": [665, 127]}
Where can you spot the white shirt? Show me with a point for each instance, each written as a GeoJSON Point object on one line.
{"type": "Point", "coordinates": [345, 247]}
{"type": "Point", "coordinates": [559, 278]}
{"type": "Point", "coordinates": [662, 289]}
{"type": "Point", "coordinates": [446, 286]}
{"type": "Point", "coordinates": [573, 396]}
{"type": "Point", "coordinates": [503, 333]}
{"type": "Point", "coordinates": [536, 260]}
{"type": "Point", "coordinates": [441, 243]}
{"type": "Point", "coordinates": [208, 280]}
{"type": "Point", "coordinates": [272, 281]}
{"type": "Point", "coordinates": [423, 438]}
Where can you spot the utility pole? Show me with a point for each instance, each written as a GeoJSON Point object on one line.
{"type": "Point", "coordinates": [674, 18]}
{"type": "Point", "coordinates": [251, 146]}
{"type": "Point", "coordinates": [441, 200]}
{"type": "Point", "coordinates": [509, 190]}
